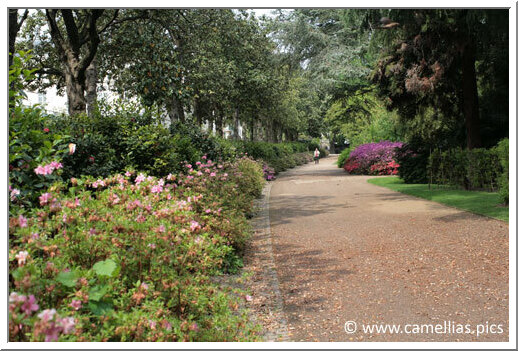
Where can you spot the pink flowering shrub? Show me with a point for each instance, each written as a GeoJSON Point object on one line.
{"type": "Point", "coordinates": [130, 257]}
{"type": "Point", "coordinates": [373, 159]}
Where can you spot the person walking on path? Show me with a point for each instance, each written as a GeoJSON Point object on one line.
{"type": "Point", "coordinates": [316, 155]}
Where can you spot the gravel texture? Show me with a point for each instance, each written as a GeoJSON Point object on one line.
{"type": "Point", "coordinates": [345, 250]}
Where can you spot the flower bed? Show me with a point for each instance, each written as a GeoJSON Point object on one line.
{"type": "Point", "coordinates": [373, 159]}
{"type": "Point", "coordinates": [129, 257]}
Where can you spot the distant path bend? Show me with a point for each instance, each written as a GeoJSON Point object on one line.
{"type": "Point", "coordinates": [347, 250]}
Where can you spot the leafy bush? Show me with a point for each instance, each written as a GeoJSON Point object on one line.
{"type": "Point", "coordinates": [412, 161]}
{"type": "Point", "coordinates": [129, 257]}
{"type": "Point", "coordinates": [280, 156]}
{"type": "Point", "coordinates": [476, 169]}
{"type": "Point", "coordinates": [251, 178]}
{"type": "Point", "coordinates": [344, 155]}
{"type": "Point", "coordinates": [373, 158]}
{"type": "Point", "coordinates": [35, 151]}
{"type": "Point", "coordinates": [502, 150]}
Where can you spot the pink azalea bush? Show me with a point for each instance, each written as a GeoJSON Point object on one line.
{"type": "Point", "coordinates": [373, 159]}
{"type": "Point", "coordinates": [130, 257]}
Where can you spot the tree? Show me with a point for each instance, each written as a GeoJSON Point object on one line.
{"type": "Point", "coordinates": [430, 61]}
{"type": "Point", "coordinates": [14, 27]}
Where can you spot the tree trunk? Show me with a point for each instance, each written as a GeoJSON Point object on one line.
{"type": "Point", "coordinates": [219, 124]}
{"type": "Point", "coordinates": [175, 109]}
{"type": "Point", "coordinates": [75, 92]}
{"type": "Point", "coordinates": [13, 32]}
{"type": "Point", "coordinates": [91, 87]}
{"type": "Point", "coordinates": [470, 96]}
{"type": "Point", "coordinates": [14, 28]}
{"type": "Point", "coordinates": [196, 111]}
{"type": "Point", "coordinates": [252, 129]}
{"type": "Point", "coordinates": [236, 136]}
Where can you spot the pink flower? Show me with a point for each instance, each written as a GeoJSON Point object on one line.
{"type": "Point", "coordinates": [14, 297]}
{"type": "Point", "coordinates": [198, 163]}
{"type": "Point", "coordinates": [212, 174]}
{"type": "Point", "coordinates": [194, 327]}
{"type": "Point", "coordinates": [248, 298]}
{"type": "Point", "coordinates": [207, 210]}
{"type": "Point", "coordinates": [46, 130]}
{"type": "Point", "coordinates": [40, 170]}
{"type": "Point", "coordinates": [56, 165]}
{"type": "Point", "coordinates": [188, 166]}
{"type": "Point", "coordinates": [167, 326]}
{"type": "Point", "coordinates": [35, 236]}
{"type": "Point", "coordinates": [22, 257]}
{"type": "Point", "coordinates": [144, 286]}
{"type": "Point", "coordinates": [52, 333]}
{"type": "Point", "coordinates": [194, 225]}
{"type": "Point", "coordinates": [151, 245]}
{"type": "Point", "coordinates": [157, 189]}
{"type": "Point", "coordinates": [45, 198]}
{"type": "Point", "coordinates": [152, 324]}
{"type": "Point", "coordinates": [161, 229]}
{"type": "Point", "coordinates": [75, 304]}
{"type": "Point", "coordinates": [91, 159]}
{"type": "Point", "coordinates": [204, 157]}
{"type": "Point", "coordinates": [47, 315]}
{"type": "Point", "coordinates": [127, 174]}
{"type": "Point", "coordinates": [140, 178]}
{"type": "Point", "coordinates": [68, 324]}
{"type": "Point", "coordinates": [14, 194]}
{"type": "Point", "coordinates": [92, 231]}
{"type": "Point", "coordinates": [30, 305]}
{"type": "Point", "coordinates": [141, 219]}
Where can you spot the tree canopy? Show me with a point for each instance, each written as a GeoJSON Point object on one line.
{"type": "Point", "coordinates": [436, 75]}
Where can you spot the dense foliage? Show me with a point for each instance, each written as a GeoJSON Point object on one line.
{"type": "Point", "coordinates": [152, 245]}
{"type": "Point", "coordinates": [476, 169]}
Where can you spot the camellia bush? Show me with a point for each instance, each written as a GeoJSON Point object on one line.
{"type": "Point", "coordinates": [373, 159]}
{"type": "Point", "coordinates": [130, 257]}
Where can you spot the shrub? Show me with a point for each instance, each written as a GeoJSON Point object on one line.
{"type": "Point", "coordinates": [251, 179]}
{"type": "Point", "coordinates": [344, 155]}
{"type": "Point", "coordinates": [373, 158]}
{"type": "Point", "coordinates": [129, 258]}
{"type": "Point", "coordinates": [280, 156]}
{"type": "Point", "coordinates": [412, 161]}
{"type": "Point", "coordinates": [35, 150]}
{"type": "Point", "coordinates": [475, 169]}
{"type": "Point", "coordinates": [502, 150]}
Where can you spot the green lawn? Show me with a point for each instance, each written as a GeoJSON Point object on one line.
{"type": "Point", "coordinates": [479, 202]}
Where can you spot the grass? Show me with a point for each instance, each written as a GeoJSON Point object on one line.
{"type": "Point", "coordinates": [479, 202]}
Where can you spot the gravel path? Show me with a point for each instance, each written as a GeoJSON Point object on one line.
{"type": "Point", "coordinates": [346, 250]}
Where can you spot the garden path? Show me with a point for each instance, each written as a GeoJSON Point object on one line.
{"type": "Point", "coordinates": [347, 250]}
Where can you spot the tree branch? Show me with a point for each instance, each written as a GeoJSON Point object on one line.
{"type": "Point", "coordinates": [93, 42]}
{"type": "Point", "coordinates": [110, 22]}
{"type": "Point", "coordinates": [24, 17]}
{"type": "Point", "coordinates": [72, 31]}
{"type": "Point", "coordinates": [50, 71]}
{"type": "Point", "coordinates": [54, 31]}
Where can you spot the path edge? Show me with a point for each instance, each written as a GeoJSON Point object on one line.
{"type": "Point", "coordinates": [262, 231]}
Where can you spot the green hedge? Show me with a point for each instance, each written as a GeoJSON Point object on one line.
{"type": "Point", "coordinates": [502, 149]}
{"type": "Point", "coordinates": [476, 169]}
{"type": "Point", "coordinates": [279, 156]}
